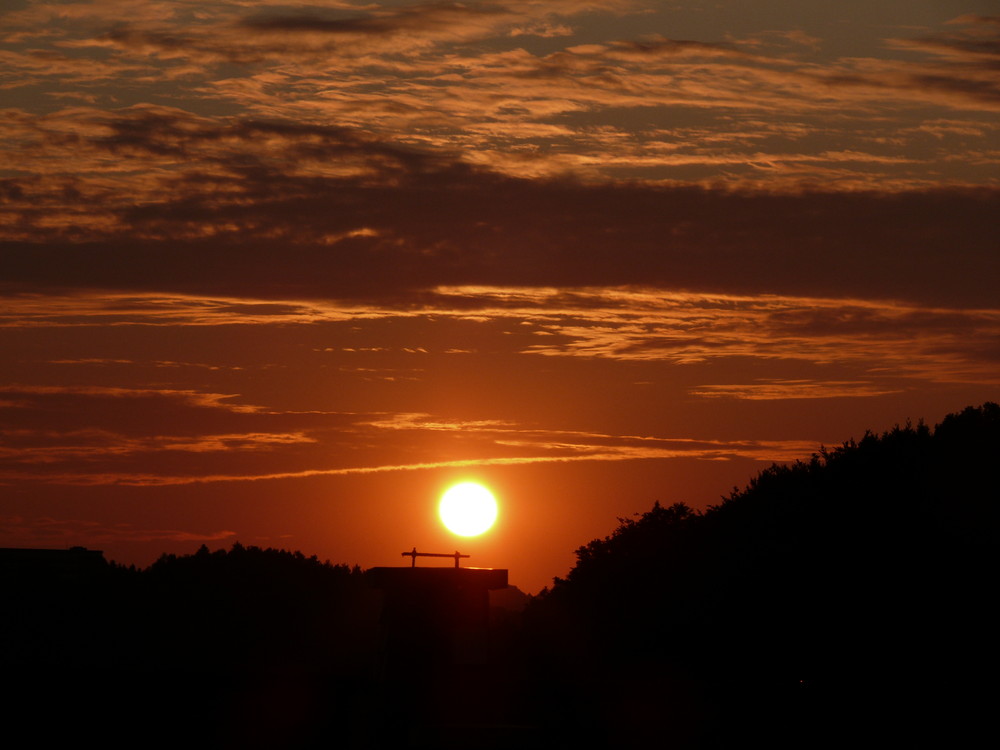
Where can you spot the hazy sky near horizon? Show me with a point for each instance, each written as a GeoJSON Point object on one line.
{"type": "Point", "coordinates": [281, 272]}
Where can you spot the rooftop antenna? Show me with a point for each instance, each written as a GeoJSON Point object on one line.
{"type": "Point", "coordinates": [413, 555]}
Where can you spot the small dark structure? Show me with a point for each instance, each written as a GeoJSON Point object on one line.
{"type": "Point", "coordinates": [436, 672]}
{"type": "Point", "coordinates": [413, 555]}
{"type": "Point", "coordinates": [434, 617]}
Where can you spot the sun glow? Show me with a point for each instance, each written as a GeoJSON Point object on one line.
{"type": "Point", "coordinates": [468, 509]}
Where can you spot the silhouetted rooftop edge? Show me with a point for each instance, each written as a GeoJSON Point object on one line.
{"type": "Point", "coordinates": [488, 578]}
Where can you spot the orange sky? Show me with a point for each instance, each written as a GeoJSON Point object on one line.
{"type": "Point", "coordinates": [279, 273]}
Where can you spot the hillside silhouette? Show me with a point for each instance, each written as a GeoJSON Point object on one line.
{"type": "Point", "coordinates": [248, 647]}
{"type": "Point", "coordinates": [840, 600]}
{"type": "Point", "coordinates": [843, 597]}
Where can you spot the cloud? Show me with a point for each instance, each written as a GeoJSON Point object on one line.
{"type": "Point", "coordinates": [780, 390]}
{"type": "Point", "coordinates": [977, 43]}
{"type": "Point", "coordinates": [349, 34]}
{"type": "Point", "coordinates": [47, 532]}
{"type": "Point", "coordinates": [426, 22]}
{"type": "Point", "coordinates": [46, 447]}
{"type": "Point", "coordinates": [940, 345]}
{"type": "Point", "coordinates": [768, 452]}
{"type": "Point", "coordinates": [356, 215]}
{"type": "Point", "coordinates": [191, 398]}
{"type": "Point", "coordinates": [78, 436]}
{"type": "Point", "coordinates": [418, 421]}
{"type": "Point", "coordinates": [616, 323]}
{"type": "Point", "coordinates": [781, 39]}
{"type": "Point", "coordinates": [462, 78]}
{"type": "Point", "coordinates": [100, 432]}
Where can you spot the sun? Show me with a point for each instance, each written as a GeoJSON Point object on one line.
{"type": "Point", "coordinates": [468, 509]}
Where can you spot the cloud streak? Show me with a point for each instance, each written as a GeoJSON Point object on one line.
{"type": "Point", "coordinates": [96, 444]}
{"type": "Point", "coordinates": [621, 323]}
{"type": "Point", "coordinates": [765, 452]}
{"type": "Point", "coordinates": [43, 531]}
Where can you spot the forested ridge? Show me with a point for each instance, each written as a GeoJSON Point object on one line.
{"type": "Point", "coordinates": [824, 598]}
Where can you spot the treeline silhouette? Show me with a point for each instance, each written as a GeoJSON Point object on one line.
{"type": "Point", "coordinates": [243, 608]}
{"type": "Point", "coordinates": [253, 608]}
{"type": "Point", "coordinates": [843, 600]}
{"type": "Point", "coordinates": [248, 647]}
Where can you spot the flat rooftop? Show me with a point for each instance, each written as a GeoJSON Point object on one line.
{"type": "Point", "coordinates": [485, 578]}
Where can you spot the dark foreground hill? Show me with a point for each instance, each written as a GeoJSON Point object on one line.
{"type": "Point", "coordinates": [847, 599]}
{"type": "Point", "coordinates": [242, 648]}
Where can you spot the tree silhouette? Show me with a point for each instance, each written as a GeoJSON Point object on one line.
{"type": "Point", "coordinates": [253, 608]}
{"type": "Point", "coordinates": [835, 592]}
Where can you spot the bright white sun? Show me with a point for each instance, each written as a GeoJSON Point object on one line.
{"type": "Point", "coordinates": [468, 509]}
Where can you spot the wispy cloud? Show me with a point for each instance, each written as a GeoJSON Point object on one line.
{"type": "Point", "coordinates": [774, 390]}
{"type": "Point", "coordinates": [45, 447]}
{"type": "Point", "coordinates": [687, 328]}
{"type": "Point", "coordinates": [44, 531]}
{"type": "Point", "coordinates": [767, 452]}
{"type": "Point", "coordinates": [188, 397]}
{"type": "Point", "coordinates": [91, 444]}
{"type": "Point", "coordinates": [939, 344]}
